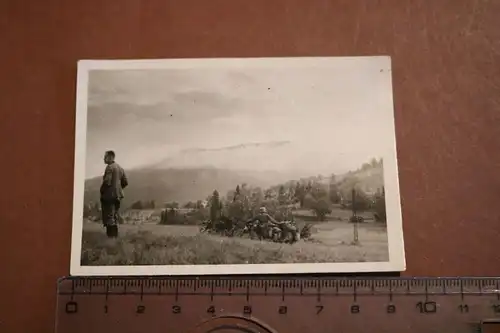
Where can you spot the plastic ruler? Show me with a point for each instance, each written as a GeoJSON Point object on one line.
{"type": "Point", "coordinates": [243, 304]}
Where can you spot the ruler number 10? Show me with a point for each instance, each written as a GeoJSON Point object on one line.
{"type": "Point", "coordinates": [427, 307]}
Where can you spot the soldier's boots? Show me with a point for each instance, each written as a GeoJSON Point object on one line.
{"type": "Point", "coordinates": [112, 231]}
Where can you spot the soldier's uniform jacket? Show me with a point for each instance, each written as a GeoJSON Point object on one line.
{"type": "Point", "coordinates": [264, 219]}
{"type": "Point", "coordinates": [113, 182]}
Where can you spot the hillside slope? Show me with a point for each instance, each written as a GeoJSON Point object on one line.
{"type": "Point", "coordinates": [181, 185]}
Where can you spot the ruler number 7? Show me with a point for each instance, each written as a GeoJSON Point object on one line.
{"type": "Point", "coordinates": [319, 308]}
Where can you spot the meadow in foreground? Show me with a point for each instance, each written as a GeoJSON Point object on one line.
{"type": "Point", "coordinates": [137, 246]}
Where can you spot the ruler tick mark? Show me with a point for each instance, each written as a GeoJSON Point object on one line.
{"type": "Point", "coordinates": [461, 290]}
{"type": "Point", "coordinates": [72, 289]}
{"type": "Point", "coordinates": [497, 290]}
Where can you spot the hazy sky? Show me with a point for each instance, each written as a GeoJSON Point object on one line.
{"type": "Point", "coordinates": [328, 119]}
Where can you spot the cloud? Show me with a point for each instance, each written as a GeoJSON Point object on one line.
{"type": "Point", "coordinates": [326, 112]}
{"type": "Point", "coordinates": [189, 106]}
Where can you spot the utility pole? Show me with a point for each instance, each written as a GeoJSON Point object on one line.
{"type": "Point", "coordinates": [355, 218]}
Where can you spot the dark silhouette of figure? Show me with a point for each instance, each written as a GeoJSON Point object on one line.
{"type": "Point", "coordinates": [113, 183]}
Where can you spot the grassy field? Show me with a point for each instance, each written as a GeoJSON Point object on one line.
{"type": "Point", "coordinates": [152, 244]}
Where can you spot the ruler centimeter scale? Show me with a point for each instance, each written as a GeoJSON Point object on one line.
{"type": "Point", "coordinates": [242, 304]}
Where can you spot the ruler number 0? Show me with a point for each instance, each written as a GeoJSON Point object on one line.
{"type": "Point", "coordinates": [71, 307]}
{"type": "Point", "coordinates": [391, 308]}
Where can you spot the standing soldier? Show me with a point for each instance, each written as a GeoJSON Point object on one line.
{"type": "Point", "coordinates": [113, 183]}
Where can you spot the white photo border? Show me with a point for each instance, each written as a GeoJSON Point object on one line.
{"type": "Point", "coordinates": [396, 262]}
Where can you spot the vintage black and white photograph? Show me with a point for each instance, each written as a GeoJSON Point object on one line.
{"type": "Point", "coordinates": [236, 166]}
